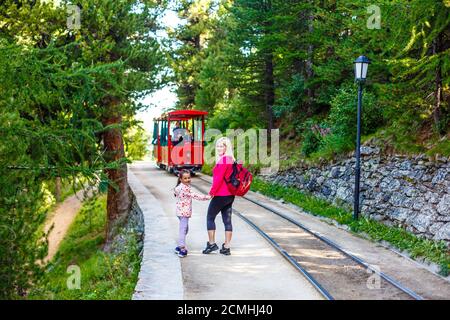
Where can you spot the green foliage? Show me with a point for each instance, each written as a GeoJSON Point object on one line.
{"type": "Point", "coordinates": [312, 139]}
{"type": "Point", "coordinates": [136, 142]}
{"type": "Point", "coordinates": [333, 145]}
{"type": "Point", "coordinates": [69, 186]}
{"type": "Point", "coordinates": [207, 169]}
{"type": "Point", "coordinates": [442, 147]}
{"type": "Point", "coordinates": [343, 112]}
{"type": "Point", "coordinates": [312, 46]}
{"type": "Point", "coordinates": [423, 63]}
{"type": "Point", "coordinates": [292, 98]}
{"type": "Point", "coordinates": [237, 115]}
{"type": "Point", "coordinates": [337, 133]}
{"type": "Point", "coordinates": [103, 275]}
{"type": "Point", "coordinates": [61, 91]}
{"type": "Point", "coordinates": [434, 251]}
{"type": "Point", "coordinates": [187, 44]}
{"type": "Point", "coordinates": [22, 211]}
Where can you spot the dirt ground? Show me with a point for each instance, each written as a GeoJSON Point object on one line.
{"type": "Point", "coordinates": [61, 219]}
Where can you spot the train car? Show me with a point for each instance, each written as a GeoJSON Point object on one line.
{"type": "Point", "coordinates": [178, 140]}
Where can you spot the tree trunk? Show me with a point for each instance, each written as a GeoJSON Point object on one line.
{"type": "Point", "coordinates": [269, 83]}
{"type": "Point", "coordinates": [118, 201]}
{"type": "Point", "coordinates": [269, 89]}
{"type": "Point", "coordinates": [58, 189]}
{"type": "Point", "coordinates": [309, 65]}
{"type": "Point", "coordinates": [437, 44]}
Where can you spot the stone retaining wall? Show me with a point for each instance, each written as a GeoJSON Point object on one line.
{"type": "Point", "coordinates": [160, 276]}
{"type": "Point", "coordinates": [410, 192]}
{"type": "Point", "coordinates": [136, 221]}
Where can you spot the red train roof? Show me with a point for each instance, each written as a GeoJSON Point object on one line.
{"type": "Point", "coordinates": [187, 113]}
{"type": "Point", "coordinates": [182, 114]}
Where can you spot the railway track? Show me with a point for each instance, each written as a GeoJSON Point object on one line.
{"type": "Point", "coordinates": [334, 272]}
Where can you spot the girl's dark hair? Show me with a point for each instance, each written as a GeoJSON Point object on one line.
{"type": "Point", "coordinates": [182, 172]}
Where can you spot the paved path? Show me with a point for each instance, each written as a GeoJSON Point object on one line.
{"type": "Point", "coordinates": [254, 270]}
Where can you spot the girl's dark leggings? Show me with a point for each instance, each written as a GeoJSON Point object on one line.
{"type": "Point", "coordinates": [220, 204]}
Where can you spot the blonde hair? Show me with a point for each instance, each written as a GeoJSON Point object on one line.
{"type": "Point", "coordinates": [228, 148]}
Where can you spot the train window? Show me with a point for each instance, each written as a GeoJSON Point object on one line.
{"type": "Point", "coordinates": [155, 132]}
{"type": "Point", "coordinates": [163, 133]}
{"type": "Point", "coordinates": [197, 123]}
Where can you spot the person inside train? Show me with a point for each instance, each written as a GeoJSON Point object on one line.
{"type": "Point", "coordinates": [177, 135]}
{"type": "Point", "coordinates": [181, 135]}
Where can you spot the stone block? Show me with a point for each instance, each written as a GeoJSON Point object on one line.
{"type": "Point", "coordinates": [443, 206]}
{"type": "Point", "coordinates": [443, 233]}
{"type": "Point", "coordinates": [400, 214]}
{"type": "Point", "coordinates": [421, 222]}
{"type": "Point", "coordinates": [440, 175]}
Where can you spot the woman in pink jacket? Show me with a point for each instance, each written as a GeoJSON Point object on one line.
{"type": "Point", "coordinates": [222, 198]}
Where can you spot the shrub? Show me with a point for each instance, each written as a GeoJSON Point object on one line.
{"type": "Point", "coordinates": [333, 145]}
{"type": "Point", "coordinates": [22, 212]}
{"type": "Point", "coordinates": [236, 114]}
{"type": "Point", "coordinates": [342, 117]}
{"type": "Point", "coordinates": [314, 134]}
{"type": "Point", "coordinates": [292, 98]}
{"type": "Point", "coordinates": [136, 143]}
{"type": "Point", "coordinates": [311, 143]}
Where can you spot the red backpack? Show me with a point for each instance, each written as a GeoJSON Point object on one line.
{"type": "Point", "coordinates": [238, 179]}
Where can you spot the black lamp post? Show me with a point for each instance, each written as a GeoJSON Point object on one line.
{"type": "Point", "coordinates": [361, 66]}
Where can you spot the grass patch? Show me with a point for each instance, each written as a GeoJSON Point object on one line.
{"type": "Point", "coordinates": [332, 146]}
{"type": "Point", "coordinates": [442, 147]}
{"type": "Point", "coordinates": [434, 251]}
{"type": "Point", "coordinates": [103, 275]}
{"type": "Point", "coordinates": [207, 168]}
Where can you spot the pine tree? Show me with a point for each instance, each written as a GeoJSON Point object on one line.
{"type": "Point", "coordinates": [423, 63]}
{"type": "Point", "coordinates": [63, 93]}
{"type": "Point", "coordinates": [118, 35]}
{"type": "Point", "coordinates": [188, 44]}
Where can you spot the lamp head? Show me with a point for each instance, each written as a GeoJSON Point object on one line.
{"type": "Point", "coordinates": [361, 66]}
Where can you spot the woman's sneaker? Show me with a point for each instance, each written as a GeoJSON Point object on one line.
{"type": "Point", "coordinates": [225, 251]}
{"type": "Point", "coordinates": [210, 248]}
{"type": "Point", "coordinates": [177, 250]}
{"type": "Point", "coordinates": [183, 253]}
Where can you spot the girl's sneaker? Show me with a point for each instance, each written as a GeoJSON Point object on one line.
{"type": "Point", "coordinates": [177, 250]}
{"type": "Point", "coordinates": [183, 253]}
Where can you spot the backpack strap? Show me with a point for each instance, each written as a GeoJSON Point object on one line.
{"type": "Point", "coordinates": [234, 165]}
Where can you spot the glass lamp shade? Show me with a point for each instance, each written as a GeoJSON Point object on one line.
{"type": "Point", "coordinates": [361, 67]}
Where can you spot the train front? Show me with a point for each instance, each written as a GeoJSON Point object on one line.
{"type": "Point", "coordinates": [178, 140]}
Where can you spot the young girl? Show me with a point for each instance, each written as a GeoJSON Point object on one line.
{"type": "Point", "coordinates": [184, 196]}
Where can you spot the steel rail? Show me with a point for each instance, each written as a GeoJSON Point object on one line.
{"type": "Point", "coordinates": [288, 257]}
{"type": "Point", "coordinates": [284, 253]}
{"type": "Point", "coordinates": [337, 247]}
